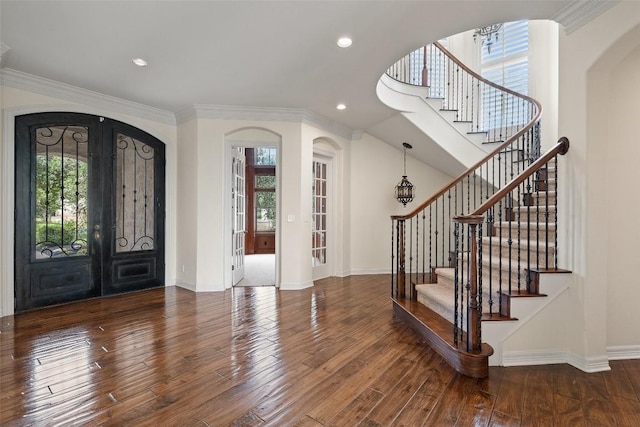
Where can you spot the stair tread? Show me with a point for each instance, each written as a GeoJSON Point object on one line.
{"type": "Point", "coordinates": [548, 225]}
{"type": "Point", "coordinates": [496, 317]}
{"type": "Point", "coordinates": [534, 208]}
{"type": "Point", "coordinates": [551, 193]}
{"type": "Point", "coordinates": [446, 272]}
{"type": "Point", "coordinates": [522, 293]}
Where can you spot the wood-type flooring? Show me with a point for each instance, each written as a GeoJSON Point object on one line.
{"type": "Point", "coordinates": [331, 355]}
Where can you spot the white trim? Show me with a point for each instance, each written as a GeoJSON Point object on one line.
{"type": "Point", "coordinates": [296, 286]}
{"type": "Point", "coordinates": [533, 357]}
{"type": "Point", "coordinates": [550, 357]}
{"type": "Point", "coordinates": [40, 85]}
{"type": "Point", "coordinates": [589, 364]}
{"type": "Point", "coordinates": [364, 272]}
{"type": "Point", "coordinates": [234, 112]}
{"type": "Point", "coordinates": [186, 285]}
{"type": "Point", "coordinates": [623, 352]}
{"type": "Point", "coordinates": [580, 12]}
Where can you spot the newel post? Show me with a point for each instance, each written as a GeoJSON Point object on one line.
{"type": "Point", "coordinates": [401, 260]}
{"type": "Point", "coordinates": [474, 311]}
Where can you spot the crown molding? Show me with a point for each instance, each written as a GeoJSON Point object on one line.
{"type": "Point", "coordinates": [233, 112]}
{"type": "Point", "coordinates": [24, 81]}
{"type": "Point", "coordinates": [580, 12]}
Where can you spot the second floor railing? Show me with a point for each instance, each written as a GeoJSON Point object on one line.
{"type": "Point", "coordinates": [491, 109]}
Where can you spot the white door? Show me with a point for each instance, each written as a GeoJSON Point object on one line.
{"type": "Point", "coordinates": [238, 206]}
{"type": "Point", "coordinates": [320, 221]}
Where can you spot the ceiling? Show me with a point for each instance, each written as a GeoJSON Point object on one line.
{"type": "Point", "coordinates": [240, 53]}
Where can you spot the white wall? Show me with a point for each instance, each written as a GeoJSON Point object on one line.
{"type": "Point", "coordinates": [376, 168]}
{"type": "Point", "coordinates": [623, 237]}
{"type": "Point", "coordinates": [187, 197]}
{"type": "Point", "coordinates": [587, 58]}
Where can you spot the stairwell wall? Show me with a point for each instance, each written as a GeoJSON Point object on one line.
{"type": "Point", "coordinates": [588, 58]}
{"type": "Point", "coordinates": [376, 167]}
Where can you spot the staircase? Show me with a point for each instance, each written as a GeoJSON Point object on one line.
{"type": "Point", "coordinates": [464, 257]}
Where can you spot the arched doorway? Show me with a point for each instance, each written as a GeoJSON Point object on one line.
{"type": "Point", "coordinates": [90, 207]}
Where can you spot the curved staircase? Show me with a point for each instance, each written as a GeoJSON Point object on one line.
{"type": "Point", "coordinates": [466, 258]}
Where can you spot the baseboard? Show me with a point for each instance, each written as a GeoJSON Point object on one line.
{"type": "Point", "coordinates": [533, 357]}
{"type": "Point", "coordinates": [623, 352]}
{"type": "Point", "coordinates": [187, 286]}
{"type": "Point", "coordinates": [295, 286]}
{"type": "Point", "coordinates": [366, 272]}
{"type": "Point", "coordinates": [551, 357]}
{"type": "Point", "coordinates": [589, 364]}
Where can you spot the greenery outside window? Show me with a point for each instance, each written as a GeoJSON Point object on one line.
{"type": "Point", "coordinates": [265, 203]}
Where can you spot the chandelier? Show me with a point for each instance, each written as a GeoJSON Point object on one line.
{"type": "Point", "coordinates": [487, 35]}
{"type": "Point", "coordinates": [404, 189]}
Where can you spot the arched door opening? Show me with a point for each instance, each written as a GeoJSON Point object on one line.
{"type": "Point", "coordinates": [90, 208]}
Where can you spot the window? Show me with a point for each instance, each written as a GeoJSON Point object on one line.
{"type": "Point", "coordinates": [265, 156]}
{"type": "Point", "coordinates": [265, 202]}
{"type": "Point", "coordinates": [507, 65]}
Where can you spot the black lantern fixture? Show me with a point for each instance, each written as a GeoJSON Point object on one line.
{"type": "Point", "coordinates": [404, 189]}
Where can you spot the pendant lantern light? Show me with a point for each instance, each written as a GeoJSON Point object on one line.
{"type": "Point", "coordinates": [404, 189]}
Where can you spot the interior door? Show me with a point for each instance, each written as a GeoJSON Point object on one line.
{"type": "Point", "coordinates": [89, 217]}
{"type": "Point", "coordinates": [239, 207]}
{"type": "Point", "coordinates": [320, 218]}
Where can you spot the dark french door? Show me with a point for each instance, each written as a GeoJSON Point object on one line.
{"type": "Point", "coordinates": [89, 208]}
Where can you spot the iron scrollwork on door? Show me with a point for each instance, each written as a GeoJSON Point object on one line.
{"type": "Point", "coordinates": [61, 191]}
{"type": "Point", "coordinates": [134, 195]}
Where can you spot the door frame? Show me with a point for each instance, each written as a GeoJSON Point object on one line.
{"type": "Point", "coordinates": [229, 143]}
{"type": "Point", "coordinates": [7, 190]}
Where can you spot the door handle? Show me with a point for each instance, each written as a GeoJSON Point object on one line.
{"type": "Point", "coordinates": [96, 238]}
{"type": "Point", "coordinates": [96, 232]}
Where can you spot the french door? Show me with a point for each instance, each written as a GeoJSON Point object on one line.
{"type": "Point", "coordinates": [90, 206]}
{"type": "Point", "coordinates": [239, 207]}
{"type": "Point", "coordinates": [320, 218]}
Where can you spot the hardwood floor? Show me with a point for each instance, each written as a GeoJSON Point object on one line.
{"type": "Point", "coordinates": [331, 355]}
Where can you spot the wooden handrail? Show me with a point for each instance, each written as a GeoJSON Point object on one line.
{"type": "Point", "coordinates": [561, 147]}
{"type": "Point", "coordinates": [489, 156]}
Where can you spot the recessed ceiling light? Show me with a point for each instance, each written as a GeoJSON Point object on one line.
{"type": "Point", "coordinates": [341, 106]}
{"type": "Point", "coordinates": [139, 62]}
{"type": "Point", "coordinates": [344, 42]}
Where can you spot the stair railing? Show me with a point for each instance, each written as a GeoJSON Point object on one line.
{"type": "Point", "coordinates": [424, 239]}
{"type": "Point", "coordinates": [490, 109]}
{"type": "Point", "coordinates": [502, 255]}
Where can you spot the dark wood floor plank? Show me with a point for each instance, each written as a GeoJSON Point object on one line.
{"type": "Point", "coordinates": [357, 409]}
{"type": "Point", "coordinates": [632, 368]}
{"type": "Point", "coordinates": [510, 399]}
{"type": "Point", "coordinates": [328, 355]}
{"type": "Point", "coordinates": [416, 411]}
{"type": "Point", "coordinates": [403, 390]}
{"type": "Point", "coordinates": [538, 400]}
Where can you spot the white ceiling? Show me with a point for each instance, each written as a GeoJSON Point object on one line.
{"type": "Point", "coordinates": [240, 53]}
